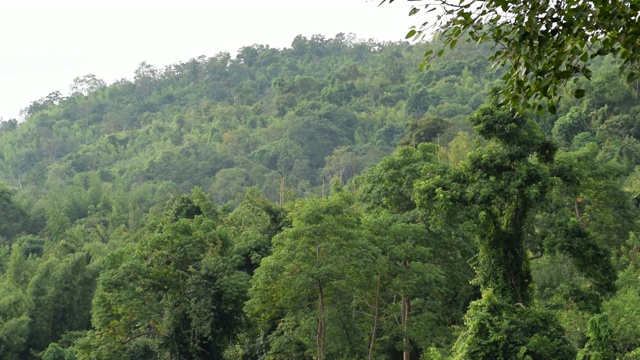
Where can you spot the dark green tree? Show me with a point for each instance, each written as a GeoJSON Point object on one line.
{"type": "Point", "coordinates": [14, 217]}
{"type": "Point", "coordinates": [428, 129]}
{"type": "Point", "coordinates": [175, 293]}
{"type": "Point", "coordinates": [505, 182]}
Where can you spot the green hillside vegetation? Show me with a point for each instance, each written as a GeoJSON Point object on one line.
{"type": "Point", "coordinates": [324, 201]}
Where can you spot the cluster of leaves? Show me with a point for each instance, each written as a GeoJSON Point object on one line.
{"type": "Point", "coordinates": [498, 330]}
{"type": "Point", "coordinates": [542, 44]}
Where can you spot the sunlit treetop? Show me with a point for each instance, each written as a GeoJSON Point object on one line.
{"type": "Point", "coordinates": [542, 44]}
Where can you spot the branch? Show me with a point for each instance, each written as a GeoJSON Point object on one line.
{"type": "Point", "coordinates": [128, 339]}
{"type": "Point", "coordinates": [535, 257]}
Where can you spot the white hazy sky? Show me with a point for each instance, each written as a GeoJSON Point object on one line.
{"type": "Point", "coordinates": [44, 45]}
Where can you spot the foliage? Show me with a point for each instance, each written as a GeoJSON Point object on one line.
{"type": "Point", "coordinates": [599, 346]}
{"type": "Point", "coordinates": [543, 44]}
{"type": "Point", "coordinates": [387, 193]}
{"type": "Point", "coordinates": [172, 293]}
{"type": "Point", "coordinates": [14, 217]}
{"type": "Point", "coordinates": [310, 303]}
{"type": "Point", "coordinates": [498, 330]}
{"type": "Point", "coordinates": [503, 182]}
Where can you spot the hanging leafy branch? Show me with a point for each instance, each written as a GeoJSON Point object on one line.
{"type": "Point", "coordinates": [542, 44]}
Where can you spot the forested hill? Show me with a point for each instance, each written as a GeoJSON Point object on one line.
{"type": "Point", "coordinates": [319, 109]}
{"type": "Point", "coordinates": [210, 209]}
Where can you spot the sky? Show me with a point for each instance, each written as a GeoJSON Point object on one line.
{"type": "Point", "coordinates": [44, 45]}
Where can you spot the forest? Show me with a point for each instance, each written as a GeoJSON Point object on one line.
{"type": "Point", "coordinates": [328, 200]}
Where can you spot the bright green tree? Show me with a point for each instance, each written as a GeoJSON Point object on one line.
{"type": "Point", "coordinates": [406, 270]}
{"type": "Point", "coordinates": [15, 305]}
{"type": "Point", "coordinates": [305, 287]}
{"type": "Point", "coordinates": [415, 255]}
{"type": "Point", "coordinates": [599, 346]}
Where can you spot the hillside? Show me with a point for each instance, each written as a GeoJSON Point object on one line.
{"type": "Point", "coordinates": [226, 124]}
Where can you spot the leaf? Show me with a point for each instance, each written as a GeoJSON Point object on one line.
{"type": "Point", "coordinates": [427, 56]}
{"type": "Point", "coordinates": [584, 57]}
{"type": "Point", "coordinates": [579, 93]}
{"type": "Point", "coordinates": [411, 34]}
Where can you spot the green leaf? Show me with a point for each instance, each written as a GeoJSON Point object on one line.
{"type": "Point", "coordinates": [410, 34]}
{"type": "Point", "coordinates": [584, 57]}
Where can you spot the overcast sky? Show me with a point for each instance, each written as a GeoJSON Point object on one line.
{"type": "Point", "coordinates": [44, 45]}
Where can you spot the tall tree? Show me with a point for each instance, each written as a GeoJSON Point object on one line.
{"type": "Point", "coordinates": [406, 270]}
{"type": "Point", "coordinates": [303, 288]}
{"type": "Point", "coordinates": [414, 255]}
{"type": "Point", "coordinates": [505, 182]}
{"type": "Point", "coordinates": [15, 306]}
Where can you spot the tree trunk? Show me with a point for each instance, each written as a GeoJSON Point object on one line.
{"type": "Point", "coordinates": [577, 207]}
{"type": "Point", "coordinates": [375, 319]}
{"type": "Point", "coordinates": [320, 335]}
{"type": "Point", "coordinates": [406, 308]}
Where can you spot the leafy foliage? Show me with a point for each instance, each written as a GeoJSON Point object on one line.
{"type": "Point", "coordinates": [499, 330]}
{"type": "Point", "coordinates": [543, 44]}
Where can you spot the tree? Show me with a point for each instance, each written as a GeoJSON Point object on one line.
{"type": "Point", "coordinates": [543, 44]}
{"type": "Point", "coordinates": [427, 129]}
{"type": "Point", "coordinates": [252, 226]}
{"type": "Point", "coordinates": [505, 183]}
{"type": "Point", "coordinates": [61, 290]}
{"type": "Point", "coordinates": [300, 293]}
{"type": "Point", "coordinates": [413, 256]}
{"type": "Point", "coordinates": [87, 84]}
{"type": "Point", "coordinates": [405, 270]}
{"type": "Point", "coordinates": [599, 346]}
{"type": "Point", "coordinates": [15, 306]}
{"type": "Point", "coordinates": [14, 217]}
{"type": "Point", "coordinates": [14, 321]}
{"type": "Point", "coordinates": [174, 294]}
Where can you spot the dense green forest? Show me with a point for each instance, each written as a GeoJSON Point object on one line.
{"type": "Point", "coordinates": [329, 200]}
